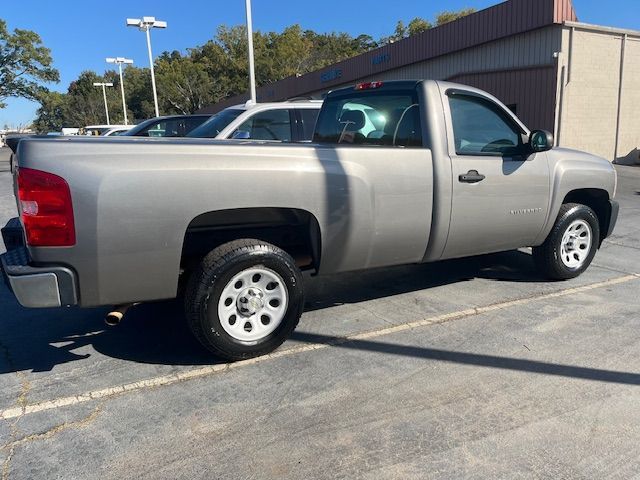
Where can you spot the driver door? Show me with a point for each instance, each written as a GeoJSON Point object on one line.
{"type": "Point", "coordinates": [500, 190]}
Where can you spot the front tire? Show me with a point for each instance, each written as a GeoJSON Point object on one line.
{"type": "Point", "coordinates": [571, 244]}
{"type": "Point", "coordinates": [245, 299]}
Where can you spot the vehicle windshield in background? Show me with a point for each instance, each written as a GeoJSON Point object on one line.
{"type": "Point", "coordinates": [212, 127]}
{"type": "Point", "coordinates": [370, 118]}
{"type": "Point", "coordinates": [167, 127]}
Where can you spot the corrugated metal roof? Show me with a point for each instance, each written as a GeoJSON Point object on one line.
{"type": "Point", "coordinates": [502, 20]}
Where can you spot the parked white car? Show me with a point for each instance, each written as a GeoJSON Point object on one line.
{"type": "Point", "coordinates": [291, 121]}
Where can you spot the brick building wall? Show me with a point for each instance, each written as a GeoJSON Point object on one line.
{"type": "Point", "coordinates": [600, 92]}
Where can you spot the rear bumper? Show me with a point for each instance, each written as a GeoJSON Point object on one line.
{"type": "Point", "coordinates": [35, 287]}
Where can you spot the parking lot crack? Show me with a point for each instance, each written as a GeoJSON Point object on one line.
{"type": "Point", "coordinates": [14, 443]}
{"type": "Point", "coordinates": [377, 315]}
{"type": "Point", "coordinates": [22, 402]}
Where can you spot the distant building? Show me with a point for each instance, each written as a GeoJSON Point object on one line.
{"type": "Point", "coordinates": [579, 81]}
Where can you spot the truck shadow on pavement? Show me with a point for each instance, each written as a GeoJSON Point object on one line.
{"type": "Point", "coordinates": [156, 333]}
{"type": "Point", "coordinates": [480, 360]}
{"type": "Point", "coordinates": [354, 287]}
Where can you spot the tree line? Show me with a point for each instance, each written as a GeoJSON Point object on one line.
{"type": "Point", "coordinates": [186, 81]}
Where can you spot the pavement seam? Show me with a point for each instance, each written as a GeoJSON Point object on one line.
{"type": "Point", "coordinates": [616, 270]}
{"type": "Point", "coordinates": [51, 432]}
{"type": "Point", "coordinates": [209, 370]}
{"type": "Point", "coordinates": [618, 244]}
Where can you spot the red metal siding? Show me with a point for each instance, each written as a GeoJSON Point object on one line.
{"type": "Point", "coordinates": [564, 11]}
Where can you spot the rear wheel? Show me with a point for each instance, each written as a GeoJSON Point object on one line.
{"type": "Point", "coordinates": [245, 299]}
{"type": "Point", "coordinates": [571, 244]}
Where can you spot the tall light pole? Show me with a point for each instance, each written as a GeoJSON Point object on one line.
{"type": "Point", "coordinates": [104, 94]}
{"type": "Point", "coordinates": [252, 73]}
{"type": "Point", "coordinates": [119, 61]}
{"type": "Point", "coordinates": [145, 25]}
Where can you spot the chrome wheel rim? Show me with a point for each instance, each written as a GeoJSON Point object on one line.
{"type": "Point", "coordinates": [576, 244]}
{"type": "Point", "coordinates": [253, 304]}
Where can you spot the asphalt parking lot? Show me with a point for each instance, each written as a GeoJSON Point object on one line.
{"type": "Point", "coordinates": [473, 368]}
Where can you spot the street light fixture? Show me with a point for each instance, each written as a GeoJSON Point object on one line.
{"type": "Point", "coordinates": [119, 61]}
{"type": "Point", "coordinates": [145, 25]}
{"type": "Point", "coordinates": [104, 94]}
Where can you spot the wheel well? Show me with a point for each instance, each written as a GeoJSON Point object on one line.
{"type": "Point", "coordinates": [295, 231]}
{"type": "Point", "coordinates": [598, 201]}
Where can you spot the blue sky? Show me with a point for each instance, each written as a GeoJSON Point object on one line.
{"type": "Point", "coordinates": [81, 34]}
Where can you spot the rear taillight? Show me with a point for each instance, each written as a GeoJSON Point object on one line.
{"type": "Point", "coordinates": [46, 209]}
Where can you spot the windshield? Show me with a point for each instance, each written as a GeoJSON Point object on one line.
{"type": "Point", "coordinates": [177, 126]}
{"type": "Point", "coordinates": [212, 127]}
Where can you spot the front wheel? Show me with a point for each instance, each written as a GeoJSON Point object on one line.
{"type": "Point", "coordinates": [245, 299]}
{"type": "Point", "coordinates": [571, 244]}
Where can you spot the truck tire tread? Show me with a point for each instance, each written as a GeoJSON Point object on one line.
{"type": "Point", "coordinates": [546, 256]}
{"type": "Point", "coordinates": [201, 282]}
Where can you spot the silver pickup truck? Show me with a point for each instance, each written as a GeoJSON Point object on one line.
{"type": "Point", "coordinates": [398, 172]}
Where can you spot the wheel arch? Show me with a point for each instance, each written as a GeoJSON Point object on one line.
{"type": "Point", "coordinates": [598, 200]}
{"type": "Point", "coordinates": [297, 231]}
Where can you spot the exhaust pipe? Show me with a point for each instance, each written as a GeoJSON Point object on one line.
{"type": "Point", "coordinates": [114, 317]}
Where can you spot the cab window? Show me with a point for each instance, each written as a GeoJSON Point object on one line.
{"type": "Point", "coordinates": [480, 127]}
{"type": "Point", "coordinates": [267, 125]}
{"type": "Point", "coordinates": [371, 118]}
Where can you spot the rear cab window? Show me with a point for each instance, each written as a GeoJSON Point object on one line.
{"type": "Point", "coordinates": [371, 117]}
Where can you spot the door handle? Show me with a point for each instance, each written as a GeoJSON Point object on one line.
{"type": "Point", "coordinates": [472, 176]}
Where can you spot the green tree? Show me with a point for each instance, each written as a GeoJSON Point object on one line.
{"type": "Point", "coordinates": [418, 25]}
{"type": "Point", "coordinates": [399, 33]}
{"type": "Point", "coordinates": [330, 48]}
{"type": "Point", "coordinates": [137, 90]}
{"type": "Point", "coordinates": [183, 85]}
{"type": "Point", "coordinates": [84, 103]}
{"type": "Point", "coordinates": [287, 54]}
{"type": "Point", "coordinates": [24, 64]}
{"type": "Point", "coordinates": [50, 117]}
{"type": "Point", "coordinates": [449, 16]}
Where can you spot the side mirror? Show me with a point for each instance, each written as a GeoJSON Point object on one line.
{"type": "Point", "coordinates": [241, 135]}
{"type": "Point", "coordinates": [541, 141]}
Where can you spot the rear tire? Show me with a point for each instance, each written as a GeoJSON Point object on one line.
{"type": "Point", "coordinates": [571, 244]}
{"type": "Point", "coordinates": [245, 299]}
